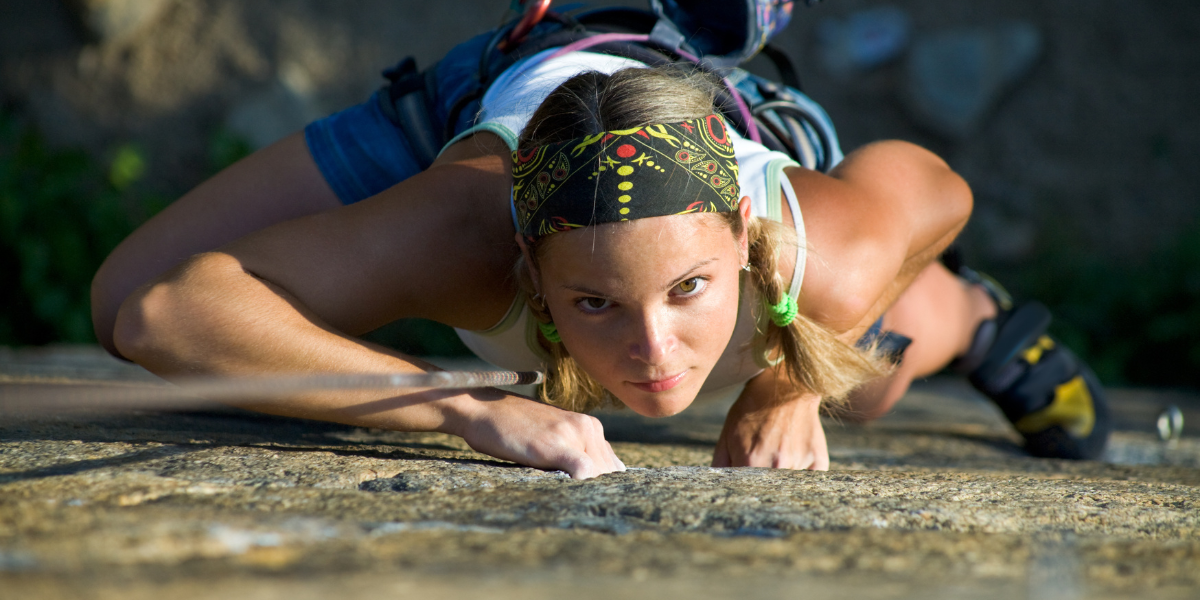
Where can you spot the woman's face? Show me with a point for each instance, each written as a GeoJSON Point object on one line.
{"type": "Point", "coordinates": [646, 307]}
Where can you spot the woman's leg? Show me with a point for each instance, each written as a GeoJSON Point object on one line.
{"type": "Point", "coordinates": [940, 313]}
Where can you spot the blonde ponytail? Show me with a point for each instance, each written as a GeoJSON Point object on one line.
{"type": "Point", "coordinates": [813, 357]}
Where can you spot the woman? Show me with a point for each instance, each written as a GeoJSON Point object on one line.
{"type": "Point", "coordinates": [262, 270]}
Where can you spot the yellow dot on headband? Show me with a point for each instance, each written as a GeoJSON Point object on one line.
{"type": "Point", "coordinates": [625, 186]}
{"type": "Point", "coordinates": [624, 198]}
{"type": "Point", "coordinates": [625, 170]}
{"type": "Point", "coordinates": [625, 210]}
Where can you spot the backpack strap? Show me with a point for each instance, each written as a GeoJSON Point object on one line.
{"type": "Point", "coordinates": [409, 102]}
{"type": "Point", "coordinates": [758, 109]}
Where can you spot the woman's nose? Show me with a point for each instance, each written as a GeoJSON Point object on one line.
{"type": "Point", "coordinates": [653, 340]}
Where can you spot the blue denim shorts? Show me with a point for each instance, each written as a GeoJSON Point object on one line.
{"type": "Point", "coordinates": [361, 152]}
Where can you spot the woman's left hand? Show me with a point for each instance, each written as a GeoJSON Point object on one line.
{"type": "Point", "coordinates": [763, 430]}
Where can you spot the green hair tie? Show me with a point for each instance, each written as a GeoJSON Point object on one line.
{"type": "Point", "coordinates": [550, 332]}
{"type": "Point", "coordinates": [784, 313]}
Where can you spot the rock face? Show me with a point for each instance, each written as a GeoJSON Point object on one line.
{"type": "Point", "coordinates": [935, 500]}
{"type": "Point", "coordinates": [110, 20]}
{"type": "Point", "coordinates": [955, 78]}
{"type": "Point", "coordinates": [169, 73]}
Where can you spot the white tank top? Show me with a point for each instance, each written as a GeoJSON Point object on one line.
{"type": "Point", "coordinates": [513, 342]}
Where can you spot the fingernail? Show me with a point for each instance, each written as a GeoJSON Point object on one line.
{"type": "Point", "coordinates": [621, 463]}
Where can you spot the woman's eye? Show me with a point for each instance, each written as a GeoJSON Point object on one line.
{"type": "Point", "coordinates": [594, 304]}
{"type": "Point", "coordinates": [690, 287]}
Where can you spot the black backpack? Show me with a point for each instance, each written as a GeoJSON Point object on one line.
{"type": "Point", "coordinates": [775, 114]}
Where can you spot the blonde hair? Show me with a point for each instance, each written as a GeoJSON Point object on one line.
{"type": "Point", "coordinates": [812, 356]}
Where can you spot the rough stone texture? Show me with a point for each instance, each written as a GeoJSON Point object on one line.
{"type": "Point", "coordinates": [935, 500]}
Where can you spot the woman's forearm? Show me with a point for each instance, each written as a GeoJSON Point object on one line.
{"type": "Point", "coordinates": [210, 317]}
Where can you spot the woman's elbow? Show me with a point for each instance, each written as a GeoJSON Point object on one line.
{"type": "Point", "coordinates": [104, 305]}
{"type": "Point", "coordinates": [112, 285]}
{"type": "Point", "coordinates": [944, 192]}
{"type": "Point", "coordinates": [942, 208]}
{"type": "Point", "coordinates": [958, 202]}
{"type": "Point", "coordinates": [137, 328]}
{"type": "Point", "coordinates": [158, 322]}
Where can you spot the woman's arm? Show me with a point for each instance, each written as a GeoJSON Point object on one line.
{"type": "Point", "coordinates": [278, 183]}
{"type": "Point", "coordinates": [773, 425]}
{"type": "Point", "coordinates": [283, 300]}
{"type": "Point", "coordinates": [872, 225]}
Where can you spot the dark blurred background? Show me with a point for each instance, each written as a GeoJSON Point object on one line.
{"type": "Point", "coordinates": [1076, 123]}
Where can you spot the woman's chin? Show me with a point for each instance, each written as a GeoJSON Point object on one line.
{"type": "Point", "coordinates": [659, 404]}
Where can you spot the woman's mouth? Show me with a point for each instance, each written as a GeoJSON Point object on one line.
{"type": "Point", "coordinates": [659, 385]}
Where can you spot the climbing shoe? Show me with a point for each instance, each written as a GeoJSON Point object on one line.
{"type": "Point", "coordinates": [1051, 397]}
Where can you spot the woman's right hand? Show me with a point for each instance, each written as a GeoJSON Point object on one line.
{"type": "Point", "coordinates": [539, 435]}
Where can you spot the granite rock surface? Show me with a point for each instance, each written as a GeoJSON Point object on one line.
{"type": "Point", "coordinates": [936, 500]}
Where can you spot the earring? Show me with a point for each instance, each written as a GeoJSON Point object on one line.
{"type": "Point", "coordinates": [746, 267]}
{"type": "Point", "coordinates": [550, 332]}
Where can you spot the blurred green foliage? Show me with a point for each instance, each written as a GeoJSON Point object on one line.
{"type": "Point", "coordinates": [61, 212]}
{"type": "Point", "coordinates": [128, 166]}
{"type": "Point", "coordinates": [226, 148]}
{"type": "Point", "coordinates": [1134, 323]}
{"type": "Point", "coordinates": [419, 337]}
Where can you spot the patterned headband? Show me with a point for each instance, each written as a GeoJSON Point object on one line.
{"type": "Point", "coordinates": [651, 171]}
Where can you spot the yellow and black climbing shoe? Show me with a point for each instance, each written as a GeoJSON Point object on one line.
{"type": "Point", "coordinates": [1050, 396]}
